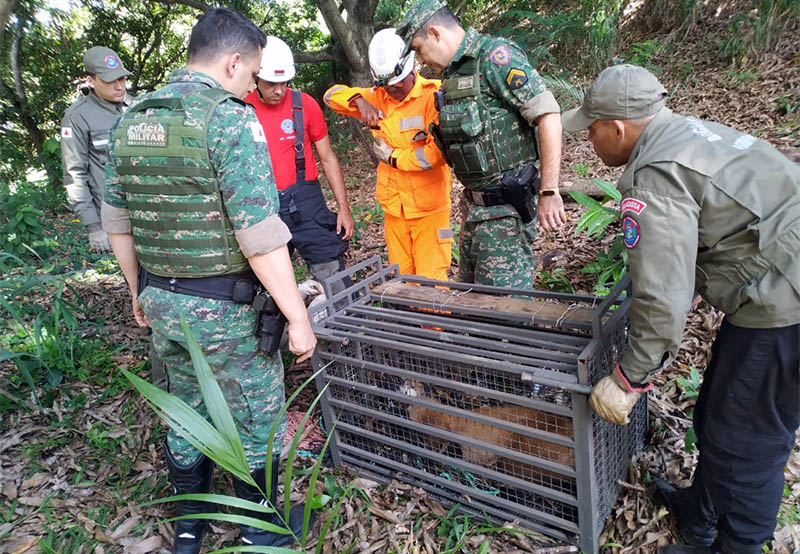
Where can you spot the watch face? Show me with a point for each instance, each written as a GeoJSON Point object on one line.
{"type": "Point", "coordinates": [547, 192]}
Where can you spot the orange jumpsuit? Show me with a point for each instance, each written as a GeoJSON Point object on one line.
{"type": "Point", "coordinates": [414, 187]}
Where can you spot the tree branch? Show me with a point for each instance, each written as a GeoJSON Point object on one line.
{"type": "Point", "coordinates": [196, 4]}
{"type": "Point", "coordinates": [326, 55]}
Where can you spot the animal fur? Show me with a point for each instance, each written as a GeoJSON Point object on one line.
{"type": "Point", "coordinates": [487, 433]}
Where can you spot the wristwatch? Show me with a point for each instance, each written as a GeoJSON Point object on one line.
{"type": "Point", "coordinates": [548, 192]}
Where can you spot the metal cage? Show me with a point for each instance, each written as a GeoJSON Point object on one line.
{"type": "Point", "coordinates": [439, 385]}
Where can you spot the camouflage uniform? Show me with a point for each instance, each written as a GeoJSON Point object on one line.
{"type": "Point", "coordinates": [237, 151]}
{"type": "Point", "coordinates": [496, 247]}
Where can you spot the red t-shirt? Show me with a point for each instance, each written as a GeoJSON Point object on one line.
{"type": "Point", "coordinates": [279, 129]}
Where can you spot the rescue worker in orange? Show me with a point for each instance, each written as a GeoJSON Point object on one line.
{"type": "Point", "coordinates": [414, 180]}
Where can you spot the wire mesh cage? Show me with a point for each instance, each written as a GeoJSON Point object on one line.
{"type": "Point", "coordinates": [479, 395]}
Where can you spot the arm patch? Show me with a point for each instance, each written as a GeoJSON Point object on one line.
{"type": "Point", "coordinates": [500, 55]}
{"type": "Point", "coordinates": [516, 78]}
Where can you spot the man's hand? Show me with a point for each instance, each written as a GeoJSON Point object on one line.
{"type": "Point", "coordinates": [138, 313]}
{"type": "Point", "coordinates": [382, 150]}
{"type": "Point", "coordinates": [551, 212]}
{"type": "Point", "coordinates": [98, 239]}
{"type": "Point", "coordinates": [301, 339]}
{"type": "Point", "coordinates": [344, 221]}
{"type": "Point", "coordinates": [613, 397]}
{"type": "Point", "coordinates": [369, 114]}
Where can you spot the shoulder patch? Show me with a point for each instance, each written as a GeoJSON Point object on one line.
{"type": "Point", "coordinates": [500, 55]}
{"type": "Point", "coordinates": [631, 232]}
{"type": "Point", "coordinates": [66, 132]}
{"type": "Point", "coordinates": [516, 78]}
{"type": "Point", "coordinates": [632, 205]}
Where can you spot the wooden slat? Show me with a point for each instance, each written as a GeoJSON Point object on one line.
{"type": "Point", "coordinates": [440, 299]}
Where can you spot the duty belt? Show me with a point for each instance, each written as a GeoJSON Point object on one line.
{"type": "Point", "coordinates": [493, 197]}
{"type": "Point", "coordinates": [237, 287]}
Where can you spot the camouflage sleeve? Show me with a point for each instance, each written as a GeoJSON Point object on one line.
{"type": "Point", "coordinates": [511, 76]}
{"type": "Point", "coordinates": [660, 233]}
{"type": "Point", "coordinates": [114, 209]}
{"type": "Point", "coordinates": [238, 150]}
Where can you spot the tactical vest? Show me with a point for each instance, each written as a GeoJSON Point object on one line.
{"type": "Point", "coordinates": [483, 136]}
{"type": "Point", "coordinates": [178, 220]}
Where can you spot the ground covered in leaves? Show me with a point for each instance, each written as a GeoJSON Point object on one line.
{"type": "Point", "coordinates": [80, 458]}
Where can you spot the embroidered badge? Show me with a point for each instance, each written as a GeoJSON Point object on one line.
{"type": "Point", "coordinates": [111, 62]}
{"type": "Point", "coordinates": [632, 205]}
{"type": "Point", "coordinates": [465, 83]}
{"type": "Point", "coordinates": [287, 126]}
{"type": "Point", "coordinates": [631, 231]}
{"type": "Point", "coordinates": [500, 55]}
{"type": "Point", "coordinates": [66, 132]}
{"type": "Point", "coordinates": [516, 78]}
{"type": "Point", "coordinates": [258, 131]}
{"type": "Point", "coordinates": [147, 134]}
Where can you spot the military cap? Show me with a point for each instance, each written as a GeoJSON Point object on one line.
{"type": "Point", "coordinates": [619, 92]}
{"type": "Point", "coordinates": [104, 62]}
{"type": "Point", "coordinates": [418, 13]}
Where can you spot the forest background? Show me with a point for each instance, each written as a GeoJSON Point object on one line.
{"type": "Point", "coordinates": [79, 448]}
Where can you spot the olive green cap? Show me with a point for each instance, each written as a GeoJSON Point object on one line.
{"type": "Point", "coordinates": [619, 92]}
{"type": "Point", "coordinates": [418, 13]}
{"type": "Point", "coordinates": [104, 62]}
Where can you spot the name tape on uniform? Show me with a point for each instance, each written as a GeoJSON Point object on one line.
{"type": "Point", "coordinates": [632, 205]}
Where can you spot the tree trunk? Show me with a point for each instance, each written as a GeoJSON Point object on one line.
{"type": "Point", "coordinates": [6, 9]}
{"type": "Point", "coordinates": [353, 34]}
{"type": "Point", "coordinates": [20, 101]}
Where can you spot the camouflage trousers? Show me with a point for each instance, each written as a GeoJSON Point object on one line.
{"type": "Point", "coordinates": [251, 382]}
{"type": "Point", "coordinates": [497, 251]}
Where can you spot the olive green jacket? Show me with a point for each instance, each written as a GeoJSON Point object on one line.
{"type": "Point", "coordinates": [709, 209]}
{"type": "Point", "coordinates": [85, 129]}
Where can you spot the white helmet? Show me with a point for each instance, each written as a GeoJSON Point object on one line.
{"type": "Point", "coordinates": [386, 59]}
{"type": "Point", "coordinates": [277, 62]}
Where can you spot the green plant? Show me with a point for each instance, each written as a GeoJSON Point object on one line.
{"type": "Point", "coordinates": [742, 78]}
{"type": "Point", "coordinates": [691, 385]}
{"type": "Point", "coordinates": [457, 530]}
{"type": "Point", "coordinates": [581, 169]}
{"type": "Point", "coordinates": [644, 52]}
{"type": "Point", "coordinates": [42, 331]}
{"type": "Point", "coordinates": [455, 247]}
{"type": "Point", "coordinates": [786, 104]}
{"type": "Point", "coordinates": [611, 264]}
{"type": "Point", "coordinates": [21, 224]}
{"type": "Point", "coordinates": [556, 280]}
{"type": "Point", "coordinates": [219, 440]}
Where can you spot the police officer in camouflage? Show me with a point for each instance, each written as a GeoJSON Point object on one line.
{"type": "Point", "coordinates": [191, 211]}
{"type": "Point", "coordinates": [707, 209]}
{"type": "Point", "coordinates": [490, 101]}
{"type": "Point", "coordinates": [84, 137]}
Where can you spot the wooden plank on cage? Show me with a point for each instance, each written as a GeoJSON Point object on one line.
{"type": "Point", "coordinates": [440, 298]}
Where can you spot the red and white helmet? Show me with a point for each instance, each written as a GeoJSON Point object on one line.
{"type": "Point", "coordinates": [277, 61]}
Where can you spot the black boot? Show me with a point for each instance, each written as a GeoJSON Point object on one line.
{"type": "Point", "coordinates": [192, 479]}
{"type": "Point", "coordinates": [723, 545]}
{"type": "Point", "coordinates": [259, 537]}
{"type": "Point", "coordinates": [695, 529]}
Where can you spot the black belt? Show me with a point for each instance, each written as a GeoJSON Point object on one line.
{"type": "Point", "coordinates": [237, 287]}
{"type": "Point", "coordinates": [493, 197]}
